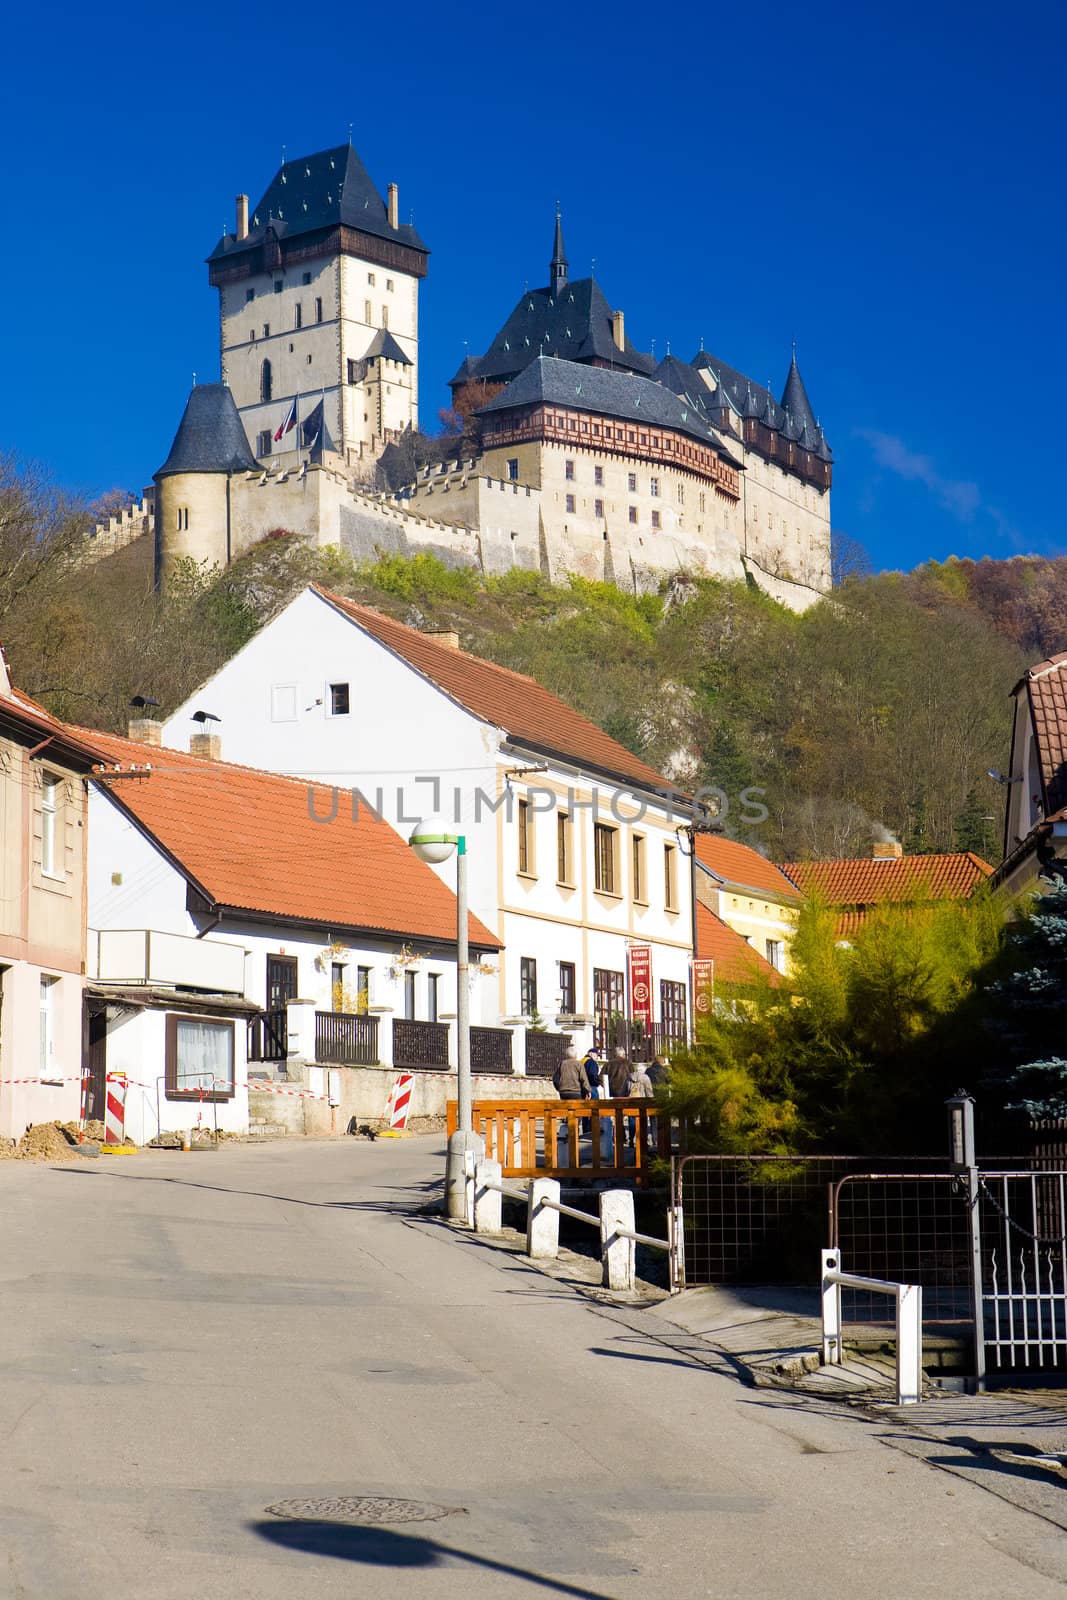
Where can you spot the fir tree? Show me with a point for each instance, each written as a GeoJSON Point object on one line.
{"type": "Point", "coordinates": [1031, 1002]}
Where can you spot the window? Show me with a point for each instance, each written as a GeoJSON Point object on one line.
{"type": "Point", "coordinates": [567, 989]}
{"type": "Point", "coordinates": [607, 1006]}
{"type": "Point", "coordinates": [655, 519]}
{"type": "Point", "coordinates": [266, 330]}
{"type": "Point", "coordinates": [598, 476]}
{"type": "Point", "coordinates": [570, 503]}
{"type": "Point", "coordinates": [672, 1010]}
{"type": "Point", "coordinates": [670, 890]}
{"type": "Point", "coordinates": [305, 278]}
{"type": "Point", "coordinates": [353, 370]}
{"type": "Point", "coordinates": [283, 702]}
{"type": "Point", "coordinates": [681, 494]}
{"type": "Point", "coordinates": [266, 382]}
{"type": "Point", "coordinates": [568, 471]}
{"type": "Point", "coordinates": [250, 294]}
{"type": "Point", "coordinates": [653, 488]}
{"type": "Point", "coordinates": [318, 310]}
{"type": "Point", "coordinates": [604, 863]}
{"type": "Point", "coordinates": [385, 316]}
{"type": "Point", "coordinates": [251, 335]}
{"type": "Point", "coordinates": [299, 315]}
{"type": "Point", "coordinates": [264, 443]}
{"type": "Point", "coordinates": [198, 1060]}
{"type": "Point", "coordinates": [631, 482]}
{"type": "Point", "coordinates": [368, 313]}
{"type": "Point", "coordinates": [409, 996]}
{"type": "Point", "coordinates": [633, 513]}
{"type": "Point", "coordinates": [527, 986]}
{"type": "Point", "coordinates": [598, 508]}
{"type": "Point", "coordinates": [362, 990]}
{"type": "Point", "coordinates": [701, 501]}
{"type": "Point", "coordinates": [564, 827]}
{"type": "Point", "coordinates": [524, 837]}
{"type": "Point", "coordinates": [433, 980]}
{"type": "Point", "coordinates": [278, 286]}
{"type": "Point", "coordinates": [337, 985]}
{"type": "Point", "coordinates": [774, 953]}
{"type": "Point", "coordinates": [640, 886]}
{"type": "Point", "coordinates": [49, 814]}
{"type": "Point", "coordinates": [339, 700]}
{"type": "Point", "coordinates": [48, 1026]}
{"type": "Point", "coordinates": [389, 285]}
{"type": "Point", "coordinates": [513, 470]}
{"type": "Point", "coordinates": [371, 279]}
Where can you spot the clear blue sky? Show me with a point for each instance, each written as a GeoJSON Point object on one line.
{"type": "Point", "coordinates": [884, 185]}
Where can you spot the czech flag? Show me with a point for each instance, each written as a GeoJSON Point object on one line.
{"type": "Point", "coordinates": [289, 424]}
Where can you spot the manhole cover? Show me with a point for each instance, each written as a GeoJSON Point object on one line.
{"type": "Point", "coordinates": [364, 1508]}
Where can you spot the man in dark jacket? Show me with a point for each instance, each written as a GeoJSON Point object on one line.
{"type": "Point", "coordinates": [570, 1078]}
{"type": "Point", "coordinates": [619, 1075]}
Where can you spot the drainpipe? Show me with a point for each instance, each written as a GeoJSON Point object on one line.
{"type": "Point", "coordinates": [211, 925]}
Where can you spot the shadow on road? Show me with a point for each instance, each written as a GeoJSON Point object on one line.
{"type": "Point", "coordinates": [382, 1547]}
{"type": "Point", "coordinates": [408, 1207]}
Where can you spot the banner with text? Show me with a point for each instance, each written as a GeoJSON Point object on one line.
{"type": "Point", "coordinates": [641, 985]}
{"type": "Point", "coordinates": [703, 986]}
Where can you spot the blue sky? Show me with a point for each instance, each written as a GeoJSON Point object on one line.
{"type": "Point", "coordinates": [883, 186]}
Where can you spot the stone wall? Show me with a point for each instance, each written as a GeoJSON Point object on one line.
{"type": "Point", "coordinates": [363, 1093]}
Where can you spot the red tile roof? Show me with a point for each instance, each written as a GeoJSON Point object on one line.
{"type": "Point", "coordinates": [860, 882]}
{"type": "Point", "coordinates": [1046, 687]}
{"type": "Point", "coordinates": [740, 865]}
{"type": "Point", "coordinates": [510, 700]}
{"type": "Point", "coordinates": [32, 719]}
{"type": "Point", "coordinates": [247, 839]}
{"type": "Point", "coordinates": [734, 958]}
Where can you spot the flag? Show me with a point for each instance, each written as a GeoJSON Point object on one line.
{"type": "Point", "coordinates": [289, 424]}
{"type": "Point", "coordinates": [311, 427]}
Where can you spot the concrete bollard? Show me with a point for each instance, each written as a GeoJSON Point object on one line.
{"type": "Point", "coordinates": [617, 1255]}
{"type": "Point", "coordinates": [488, 1202]}
{"type": "Point", "coordinates": [542, 1222]}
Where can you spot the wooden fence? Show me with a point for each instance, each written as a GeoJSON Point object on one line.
{"type": "Point", "coordinates": [346, 1038]}
{"type": "Point", "coordinates": [545, 1138]}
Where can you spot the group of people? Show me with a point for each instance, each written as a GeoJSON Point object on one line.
{"type": "Point", "coordinates": [589, 1078]}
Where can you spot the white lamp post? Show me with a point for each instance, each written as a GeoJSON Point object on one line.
{"type": "Point", "coordinates": [432, 842]}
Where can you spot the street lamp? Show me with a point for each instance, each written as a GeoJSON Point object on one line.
{"type": "Point", "coordinates": [433, 843]}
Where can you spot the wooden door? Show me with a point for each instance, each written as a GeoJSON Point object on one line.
{"type": "Point", "coordinates": [281, 981]}
{"type": "Point", "coordinates": [96, 1066]}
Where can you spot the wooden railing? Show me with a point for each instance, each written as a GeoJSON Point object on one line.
{"type": "Point", "coordinates": [267, 1036]}
{"type": "Point", "coordinates": [348, 1039]}
{"type": "Point", "coordinates": [491, 1050]}
{"type": "Point", "coordinates": [420, 1044]}
{"type": "Point", "coordinates": [544, 1052]}
{"type": "Point", "coordinates": [545, 1138]}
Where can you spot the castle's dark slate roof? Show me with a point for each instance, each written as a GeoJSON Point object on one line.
{"type": "Point", "coordinates": [575, 326]}
{"type": "Point", "coordinates": [210, 436]}
{"type": "Point", "coordinates": [383, 344]}
{"type": "Point", "coordinates": [324, 190]}
{"type": "Point", "coordinates": [611, 394]}
{"type": "Point", "coordinates": [795, 399]}
{"type": "Point", "coordinates": [685, 381]}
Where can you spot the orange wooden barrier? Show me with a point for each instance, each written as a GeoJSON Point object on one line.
{"type": "Point", "coordinates": [542, 1138]}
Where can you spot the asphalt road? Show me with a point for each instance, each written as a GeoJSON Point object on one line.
{"type": "Point", "coordinates": [187, 1340]}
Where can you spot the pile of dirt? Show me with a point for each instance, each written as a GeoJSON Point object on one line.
{"type": "Point", "coordinates": [45, 1141]}
{"type": "Point", "coordinates": [93, 1130]}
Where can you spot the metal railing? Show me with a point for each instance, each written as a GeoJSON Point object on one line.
{"type": "Point", "coordinates": [422, 1045]}
{"type": "Point", "coordinates": [909, 1303]}
{"type": "Point", "coordinates": [544, 1052]}
{"type": "Point", "coordinates": [346, 1038]}
{"type": "Point", "coordinates": [491, 1051]}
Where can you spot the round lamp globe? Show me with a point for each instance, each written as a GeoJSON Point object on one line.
{"type": "Point", "coordinates": [432, 841]}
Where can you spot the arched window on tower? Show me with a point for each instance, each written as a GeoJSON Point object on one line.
{"type": "Point", "coordinates": [265, 383]}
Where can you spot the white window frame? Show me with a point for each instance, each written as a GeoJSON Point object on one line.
{"type": "Point", "coordinates": [50, 817]}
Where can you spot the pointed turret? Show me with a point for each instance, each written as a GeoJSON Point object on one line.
{"type": "Point", "coordinates": [795, 398]}
{"type": "Point", "coordinates": [557, 267]}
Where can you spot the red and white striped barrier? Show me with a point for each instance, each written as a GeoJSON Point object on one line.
{"type": "Point", "coordinates": [396, 1112]}
{"type": "Point", "coordinates": [115, 1109]}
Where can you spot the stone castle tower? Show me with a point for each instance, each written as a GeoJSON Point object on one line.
{"type": "Point", "coordinates": [319, 303]}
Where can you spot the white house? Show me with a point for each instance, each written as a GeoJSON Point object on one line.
{"type": "Point", "coordinates": [576, 848]}
{"type": "Point", "coordinates": [234, 939]}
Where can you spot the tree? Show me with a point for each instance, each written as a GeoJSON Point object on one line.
{"type": "Point", "coordinates": [1029, 1008]}
{"type": "Point", "coordinates": [849, 558]}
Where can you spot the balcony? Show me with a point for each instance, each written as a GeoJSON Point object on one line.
{"type": "Point", "coordinates": [169, 960]}
{"type": "Point", "coordinates": [346, 1040]}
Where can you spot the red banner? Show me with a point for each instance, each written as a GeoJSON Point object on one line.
{"type": "Point", "coordinates": [703, 986]}
{"type": "Point", "coordinates": [641, 985]}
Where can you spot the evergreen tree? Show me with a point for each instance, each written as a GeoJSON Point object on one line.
{"type": "Point", "coordinates": [1030, 1005]}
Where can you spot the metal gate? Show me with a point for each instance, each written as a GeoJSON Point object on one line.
{"type": "Point", "coordinates": [1022, 1225]}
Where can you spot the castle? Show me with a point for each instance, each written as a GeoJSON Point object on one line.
{"type": "Point", "coordinates": [588, 455]}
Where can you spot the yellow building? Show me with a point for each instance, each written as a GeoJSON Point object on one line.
{"type": "Point", "coordinates": [750, 894]}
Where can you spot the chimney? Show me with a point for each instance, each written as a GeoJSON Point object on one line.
{"type": "Point", "coordinates": [618, 329]}
{"type": "Point", "coordinates": [394, 206]}
{"type": "Point", "coordinates": [145, 730]}
{"type": "Point", "coordinates": [886, 850]}
{"type": "Point", "coordinates": [447, 638]}
{"type": "Point", "coordinates": [242, 216]}
{"type": "Point", "coordinates": [208, 746]}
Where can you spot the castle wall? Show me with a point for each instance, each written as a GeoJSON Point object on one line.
{"type": "Point", "coordinates": [786, 522]}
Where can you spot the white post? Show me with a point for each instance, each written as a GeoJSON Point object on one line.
{"type": "Point", "coordinates": [300, 1029]}
{"type": "Point", "coordinates": [488, 1203]}
{"type": "Point", "coordinates": [909, 1344]}
{"type": "Point", "coordinates": [542, 1222]}
{"type": "Point", "coordinates": [831, 1310]}
{"type": "Point", "coordinates": [617, 1254]}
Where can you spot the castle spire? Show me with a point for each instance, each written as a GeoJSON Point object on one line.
{"type": "Point", "coordinates": [557, 267]}
{"type": "Point", "coordinates": [795, 397]}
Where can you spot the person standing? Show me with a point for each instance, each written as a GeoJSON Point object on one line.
{"type": "Point", "coordinates": [619, 1075]}
{"type": "Point", "coordinates": [570, 1078]}
{"type": "Point", "coordinates": [639, 1087]}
